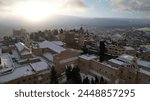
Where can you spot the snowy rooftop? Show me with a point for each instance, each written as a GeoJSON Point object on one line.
{"type": "Point", "coordinates": [128, 48]}
{"type": "Point", "coordinates": [88, 57]}
{"type": "Point", "coordinates": [40, 66]}
{"type": "Point", "coordinates": [143, 63]}
{"type": "Point", "coordinates": [20, 46]}
{"type": "Point", "coordinates": [52, 46]}
{"type": "Point", "coordinates": [24, 71]}
{"type": "Point", "coordinates": [144, 71]}
{"type": "Point", "coordinates": [145, 48]}
{"type": "Point", "coordinates": [108, 65]}
{"type": "Point", "coordinates": [17, 73]}
{"type": "Point", "coordinates": [25, 52]}
{"type": "Point", "coordinates": [144, 29]}
{"type": "Point", "coordinates": [1, 44]}
{"type": "Point", "coordinates": [15, 54]}
{"type": "Point", "coordinates": [6, 60]}
{"type": "Point", "coordinates": [125, 58]}
{"type": "Point", "coordinates": [116, 61]}
{"type": "Point", "coordinates": [59, 43]}
{"type": "Point", "coordinates": [116, 37]}
{"type": "Point", "coordinates": [48, 56]}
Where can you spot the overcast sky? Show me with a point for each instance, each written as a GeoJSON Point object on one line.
{"type": "Point", "coordinates": [84, 8]}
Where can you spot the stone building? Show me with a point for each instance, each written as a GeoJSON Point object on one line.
{"type": "Point", "coordinates": [23, 50]}
{"type": "Point", "coordinates": [124, 69]}
{"type": "Point", "coordinates": [27, 39]}
{"type": "Point", "coordinates": [31, 73]}
{"type": "Point", "coordinates": [115, 50]}
{"type": "Point", "coordinates": [118, 50]}
{"type": "Point", "coordinates": [81, 38]}
{"type": "Point", "coordinates": [67, 57]}
{"type": "Point", "coordinates": [19, 34]}
{"type": "Point", "coordinates": [56, 54]}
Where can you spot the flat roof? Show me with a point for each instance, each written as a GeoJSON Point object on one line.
{"type": "Point", "coordinates": [59, 43]}
{"type": "Point", "coordinates": [129, 48]}
{"type": "Point", "coordinates": [6, 60]}
{"type": "Point", "coordinates": [144, 71]}
{"type": "Point", "coordinates": [20, 46]}
{"type": "Point", "coordinates": [116, 61]}
{"type": "Point", "coordinates": [52, 46]}
{"type": "Point", "coordinates": [110, 66]}
{"type": "Point", "coordinates": [88, 57]}
{"type": "Point", "coordinates": [15, 54]}
{"type": "Point", "coordinates": [126, 57]}
{"type": "Point", "coordinates": [24, 71]}
{"type": "Point", "coordinates": [17, 73]}
{"type": "Point", "coordinates": [48, 56]}
{"type": "Point", "coordinates": [143, 63]}
{"type": "Point", "coordinates": [40, 66]}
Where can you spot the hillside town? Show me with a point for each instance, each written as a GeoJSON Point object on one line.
{"type": "Point", "coordinates": [75, 56]}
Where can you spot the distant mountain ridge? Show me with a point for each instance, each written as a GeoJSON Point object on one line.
{"type": "Point", "coordinates": [58, 21]}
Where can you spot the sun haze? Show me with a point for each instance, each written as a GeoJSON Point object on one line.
{"type": "Point", "coordinates": [34, 11]}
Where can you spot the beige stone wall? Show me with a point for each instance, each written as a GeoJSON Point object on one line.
{"type": "Point", "coordinates": [143, 79]}
{"type": "Point", "coordinates": [123, 73]}
{"type": "Point", "coordinates": [7, 49]}
{"type": "Point", "coordinates": [145, 55]}
{"type": "Point", "coordinates": [37, 51]}
{"type": "Point", "coordinates": [115, 50]}
{"type": "Point", "coordinates": [33, 79]}
{"type": "Point", "coordinates": [64, 58]}
{"type": "Point", "coordinates": [130, 78]}
{"type": "Point", "coordinates": [131, 52]}
{"type": "Point", "coordinates": [100, 68]}
{"type": "Point", "coordinates": [103, 69]}
{"type": "Point", "coordinates": [84, 65]}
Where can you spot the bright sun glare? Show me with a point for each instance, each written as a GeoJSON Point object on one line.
{"type": "Point", "coordinates": [35, 11]}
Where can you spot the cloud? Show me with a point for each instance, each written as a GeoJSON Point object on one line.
{"type": "Point", "coordinates": [5, 5]}
{"type": "Point", "coordinates": [135, 5]}
{"type": "Point", "coordinates": [76, 5]}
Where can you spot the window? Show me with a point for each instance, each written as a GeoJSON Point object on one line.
{"type": "Point", "coordinates": [24, 80]}
{"type": "Point", "coordinates": [29, 78]}
{"type": "Point", "coordinates": [121, 72]}
{"type": "Point", "coordinates": [129, 78]}
{"type": "Point", "coordinates": [34, 77]}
